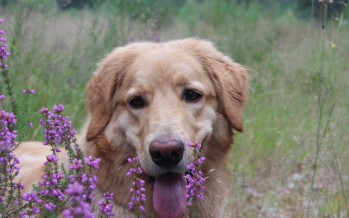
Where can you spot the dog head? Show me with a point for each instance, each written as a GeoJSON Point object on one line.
{"type": "Point", "coordinates": [153, 99]}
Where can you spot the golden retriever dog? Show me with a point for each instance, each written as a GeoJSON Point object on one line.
{"type": "Point", "coordinates": [150, 100]}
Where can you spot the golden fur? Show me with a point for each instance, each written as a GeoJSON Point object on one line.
{"type": "Point", "coordinates": [159, 72]}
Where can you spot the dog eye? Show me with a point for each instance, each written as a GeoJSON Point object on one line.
{"type": "Point", "coordinates": [137, 102]}
{"type": "Point", "coordinates": [191, 96]}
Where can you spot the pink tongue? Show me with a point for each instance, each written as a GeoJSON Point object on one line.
{"type": "Point", "coordinates": [169, 197]}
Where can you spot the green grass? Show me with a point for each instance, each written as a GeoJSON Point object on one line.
{"type": "Point", "coordinates": [55, 52]}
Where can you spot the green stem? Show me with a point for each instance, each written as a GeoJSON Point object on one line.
{"type": "Point", "coordinates": [321, 102]}
{"type": "Point", "coordinates": [9, 89]}
{"type": "Point", "coordinates": [15, 211]}
{"type": "Point", "coordinates": [321, 99]}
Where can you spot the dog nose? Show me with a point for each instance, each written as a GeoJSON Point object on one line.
{"type": "Point", "coordinates": [166, 153]}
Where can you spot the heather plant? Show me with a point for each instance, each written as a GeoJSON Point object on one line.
{"type": "Point", "coordinates": [195, 177]}
{"type": "Point", "coordinates": [60, 189]}
{"type": "Point", "coordinates": [4, 53]}
{"type": "Point", "coordinates": [137, 190]}
{"type": "Point", "coordinates": [9, 190]}
{"type": "Point", "coordinates": [78, 207]}
{"type": "Point", "coordinates": [106, 205]}
{"type": "Point", "coordinates": [9, 163]}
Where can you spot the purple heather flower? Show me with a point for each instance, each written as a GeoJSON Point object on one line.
{"type": "Point", "coordinates": [75, 189]}
{"type": "Point", "coordinates": [32, 197]}
{"type": "Point", "coordinates": [27, 91]}
{"type": "Point", "coordinates": [50, 206]}
{"type": "Point", "coordinates": [195, 180]}
{"type": "Point", "coordinates": [52, 158]}
{"type": "Point", "coordinates": [44, 111]}
{"type": "Point", "coordinates": [58, 108]}
{"type": "Point", "coordinates": [78, 207]}
{"type": "Point", "coordinates": [19, 186]}
{"type": "Point", "coordinates": [105, 206]}
{"type": "Point", "coordinates": [137, 190]}
{"type": "Point", "coordinates": [49, 185]}
{"type": "Point", "coordinates": [57, 129]}
{"type": "Point", "coordinates": [3, 49]}
{"type": "Point", "coordinates": [7, 135]}
{"type": "Point", "coordinates": [35, 210]}
{"type": "Point", "coordinates": [9, 163]}
{"type": "Point", "coordinates": [76, 164]}
{"type": "Point", "coordinates": [92, 162]}
{"type": "Point", "coordinates": [2, 97]}
{"type": "Point", "coordinates": [88, 182]}
{"type": "Point", "coordinates": [22, 214]}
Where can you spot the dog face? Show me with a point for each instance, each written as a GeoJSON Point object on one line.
{"type": "Point", "coordinates": [165, 101]}
{"type": "Point", "coordinates": [156, 98]}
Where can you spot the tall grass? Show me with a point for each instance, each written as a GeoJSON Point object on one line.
{"type": "Point", "coordinates": [292, 158]}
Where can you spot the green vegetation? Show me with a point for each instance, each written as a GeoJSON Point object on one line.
{"type": "Point", "coordinates": [298, 105]}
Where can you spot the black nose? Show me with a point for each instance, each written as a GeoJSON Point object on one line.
{"type": "Point", "coordinates": [166, 153]}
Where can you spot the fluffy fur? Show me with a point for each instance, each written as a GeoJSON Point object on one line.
{"type": "Point", "coordinates": [159, 73]}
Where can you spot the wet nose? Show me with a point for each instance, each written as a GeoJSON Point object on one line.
{"type": "Point", "coordinates": [166, 153]}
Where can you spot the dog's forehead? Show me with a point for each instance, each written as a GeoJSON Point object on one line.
{"type": "Point", "coordinates": [168, 65]}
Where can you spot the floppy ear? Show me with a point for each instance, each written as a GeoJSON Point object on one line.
{"type": "Point", "coordinates": [230, 80]}
{"type": "Point", "coordinates": [103, 86]}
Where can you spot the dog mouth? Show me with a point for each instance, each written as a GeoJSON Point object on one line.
{"type": "Point", "coordinates": [169, 196]}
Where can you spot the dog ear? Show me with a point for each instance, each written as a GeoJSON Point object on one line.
{"type": "Point", "coordinates": [103, 86]}
{"type": "Point", "coordinates": [230, 81]}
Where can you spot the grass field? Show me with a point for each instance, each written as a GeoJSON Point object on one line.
{"type": "Point", "coordinates": [293, 158]}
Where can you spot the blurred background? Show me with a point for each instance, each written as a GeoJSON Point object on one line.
{"type": "Point", "coordinates": [291, 161]}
